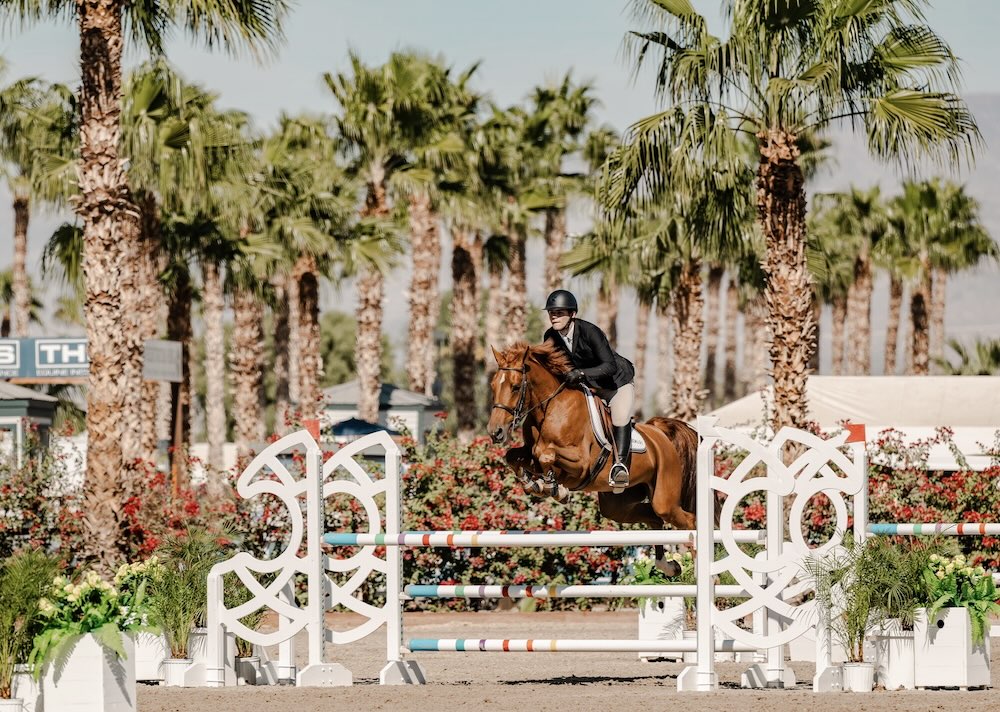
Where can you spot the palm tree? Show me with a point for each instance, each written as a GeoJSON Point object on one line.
{"type": "Point", "coordinates": [104, 208]}
{"type": "Point", "coordinates": [451, 107]}
{"type": "Point", "coordinates": [558, 115]}
{"type": "Point", "coordinates": [785, 69]}
{"type": "Point", "coordinates": [983, 359]}
{"type": "Point", "coordinates": [382, 117]}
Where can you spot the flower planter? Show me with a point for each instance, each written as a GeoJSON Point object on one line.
{"type": "Point", "coordinates": [198, 651]}
{"type": "Point", "coordinates": [661, 619]}
{"type": "Point", "coordinates": [27, 688]}
{"type": "Point", "coordinates": [691, 657]}
{"type": "Point", "coordinates": [944, 654]}
{"type": "Point", "coordinates": [88, 677]}
{"type": "Point", "coordinates": [150, 652]}
{"type": "Point", "coordinates": [174, 670]}
{"type": "Point", "coordinates": [858, 677]}
{"type": "Point", "coordinates": [247, 670]}
{"type": "Point", "coordinates": [894, 656]}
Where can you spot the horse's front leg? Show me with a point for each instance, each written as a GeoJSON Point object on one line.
{"type": "Point", "coordinates": [545, 455]}
{"type": "Point", "coordinates": [536, 481]}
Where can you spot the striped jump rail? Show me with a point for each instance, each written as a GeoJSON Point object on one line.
{"type": "Point", "coordinates": [499, 645]}
{"type": "Point", "coordinates": [566, 591]}
{"type": "Point", "coordinates": [931, 529]}
{"type": "Point", "coordinates": [502, 539]}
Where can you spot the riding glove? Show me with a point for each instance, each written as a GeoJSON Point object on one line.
{"type": "Point", "coordinates": [574, 376]}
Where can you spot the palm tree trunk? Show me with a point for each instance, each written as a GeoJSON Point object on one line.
{"type": "Point", "coordinates": [839, 305]}
{"type": "Point", "coordinates": [755, 349]}
{"type": "Point", "coordinates": [732, 318]}
{"type": "Point", "coordinates": [282, 349]}
{"type": "Point", "coordinates": [781, 208]}
{"type": "Point", "coordinates": [107, 251]}
{"type": "Point", "coordinates": [607, 308]}
{"type": "Point", "coordinates": [665, 358]}
{"type": "Point", "coordinates": [179, 329]}
{"type": "Point", "coordinates": [311, 360]}
{"type": "Point", "coordinates": [892, 327]}
{"type": "Point", "coordinates": [19, 279]}
{"type": "Point", "coordinates": [213, 304]}
{"type": "Point", "coordinates": [712, 315]}
{"type": "Point", "coordinates": [859, 317]}
{"type": "Point", "coordinates": [294, 347]}
{"type": "Point", "coordinates": [424, 296]}
{"type": "Point", "coordinates": [937, 308]}
{"type": "Point", "coordinates": [689, 313]}
{"type": "Point", "coordinates": [246, 359]}
{"type": "Point", "coordinates": [817, 307]}
{"type": "Point", "coordinates": [151, 316]}
{"type": "Point", "coordinates": [555, 237]}
{"type": "Point", "coordinates": [641, 338]}
{"type": "Point", "coordinates": [920, 301]}
{"type": "Point", "coordinates": [517, 318]}
{"type": "Point", "coordinates": [495, 310]}
{"type": "Point", "coordinates": [464, 322]}
{"type": "Point", "coordinates": [371, 292]}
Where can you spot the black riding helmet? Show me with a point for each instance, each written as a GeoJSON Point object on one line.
{"type": "Point", "coordinates": [561, 299]}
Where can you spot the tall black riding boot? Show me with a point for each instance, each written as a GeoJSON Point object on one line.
{"type": "Point", "coordinates": [618, 478]}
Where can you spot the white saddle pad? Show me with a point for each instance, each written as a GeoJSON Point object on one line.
{"type": "Point", "coordinates": [638, 443]}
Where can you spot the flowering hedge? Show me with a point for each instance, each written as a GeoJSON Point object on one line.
{"type": "Point", "coordinates": [448, 485]}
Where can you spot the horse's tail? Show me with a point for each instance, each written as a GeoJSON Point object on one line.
{"type": "Point", "coordinates": [685, 439]}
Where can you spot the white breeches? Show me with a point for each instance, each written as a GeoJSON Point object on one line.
{"type": "Point", "coordinates": [622, 404]}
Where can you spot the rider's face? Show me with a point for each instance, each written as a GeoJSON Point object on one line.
{"type": "Point", "coordinates": [560, 319]}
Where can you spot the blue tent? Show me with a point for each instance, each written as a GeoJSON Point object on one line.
{"type": "Point", "coordinates": [355, 428]}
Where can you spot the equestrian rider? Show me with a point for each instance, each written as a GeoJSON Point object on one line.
{"type": "Point", "coordinates": [596, 365]}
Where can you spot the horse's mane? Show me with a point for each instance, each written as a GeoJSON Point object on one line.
{"type": "Point", "coordinates": [546, 353]}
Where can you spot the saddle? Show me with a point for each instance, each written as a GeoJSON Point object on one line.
{"type": "Point", "coordinates": [600, 421]}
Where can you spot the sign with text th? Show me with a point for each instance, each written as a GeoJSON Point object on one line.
{"type": "Point", "coordinates": [44, 358]}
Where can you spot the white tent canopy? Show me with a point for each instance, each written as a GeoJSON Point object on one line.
{"type": "Point", "coordinates": [914, 405]}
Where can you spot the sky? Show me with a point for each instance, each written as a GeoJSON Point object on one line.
{"type": "Point", "coordinates": [520, 43]}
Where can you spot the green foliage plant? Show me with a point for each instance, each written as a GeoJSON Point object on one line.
{"type": "Point", "coordinates": [953, 583]}
{"type": "Point", "coordinates": [92, 605]}
{"type": "Point", "coordinates": [24, 578]}
{"type": "Point", "coordinates": [645, 572]}
{"type": "Point", "coordinates": [179, 594]}
{"type": "Point", "coordinates": [849, 585]}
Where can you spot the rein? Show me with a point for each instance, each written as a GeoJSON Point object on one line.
{"type": "Point", "coordinates": [517, 412]}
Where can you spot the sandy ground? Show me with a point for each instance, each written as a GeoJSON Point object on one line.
{"type": "Point", "coordinates": [540, 682]}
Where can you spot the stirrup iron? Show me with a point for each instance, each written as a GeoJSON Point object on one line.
{"type": "Point", "coordinates": [618, 477]}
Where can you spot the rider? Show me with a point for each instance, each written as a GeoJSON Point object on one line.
{"type": "Point", "coordinates": [596, 365]}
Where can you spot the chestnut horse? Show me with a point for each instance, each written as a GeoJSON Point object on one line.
{"type": "Point", "coordinates": [559, 442]}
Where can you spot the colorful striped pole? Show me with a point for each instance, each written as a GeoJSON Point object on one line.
{"type": "Point", "coordinates": [498, 645]}
{"type": "Point", "coordinates": [467, 539]}
{"type": "Point", "coordinates": [558, 591]}
{"type": "Point", "coordinates": [931, 529]}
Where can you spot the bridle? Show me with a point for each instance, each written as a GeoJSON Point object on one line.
{"type": "Point", "coordinates": [518, 413]}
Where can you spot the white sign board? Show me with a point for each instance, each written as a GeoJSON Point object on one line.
{"type": "Point", "coordinates": [161, 361]}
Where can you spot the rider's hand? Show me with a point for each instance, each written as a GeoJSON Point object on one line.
{"type": "Point", "coordinates": [574, 376]}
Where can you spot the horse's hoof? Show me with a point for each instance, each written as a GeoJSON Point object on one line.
{"type": "Point", "coordinates": [561, 495]}
{"type": "Point", "coordinates": [669, 567]}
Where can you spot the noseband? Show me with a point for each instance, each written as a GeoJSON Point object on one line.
{"type": "Point", "coordinates": [518, 413]}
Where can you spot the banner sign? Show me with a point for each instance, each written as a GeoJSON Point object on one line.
{"type": "Point", "coordinates": [50, 359]}
{"type": "Point", "coordinates": [44, 358]}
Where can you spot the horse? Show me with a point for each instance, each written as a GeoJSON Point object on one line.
{"type": "Point", "coordinates": [559, 444]}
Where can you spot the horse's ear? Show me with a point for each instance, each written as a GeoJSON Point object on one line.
{"type": "Point", "coordinates": [497, 355]}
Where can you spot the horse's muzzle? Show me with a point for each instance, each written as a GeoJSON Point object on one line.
{"type": "Point", "coordinates": [499, 434]}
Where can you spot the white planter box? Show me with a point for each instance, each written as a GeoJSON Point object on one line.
{"type": "Point", "coordinates": [944, 654]}
{"type": "Point", "coordinates": [150, 652]}
{"type": "Point", "coordinates": [661, 619]}
{"type": "Point", "coordinates": [198, 652]}
{"type": "Point", "coordinates": [858, 677]}
{"type": "Point", "coordinates": [91, 678]}
{"type": "Point", "coordinates": [894, 656]}
{"type": "Point", "coordinates": [247, 670]}
{"type": "Point", "coordinates": [25, 687]}
{"type": "Point", "coordinates": [174, 670]}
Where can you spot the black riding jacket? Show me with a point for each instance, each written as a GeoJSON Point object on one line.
{"type": "Point", "coordinates": [602, 367]}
